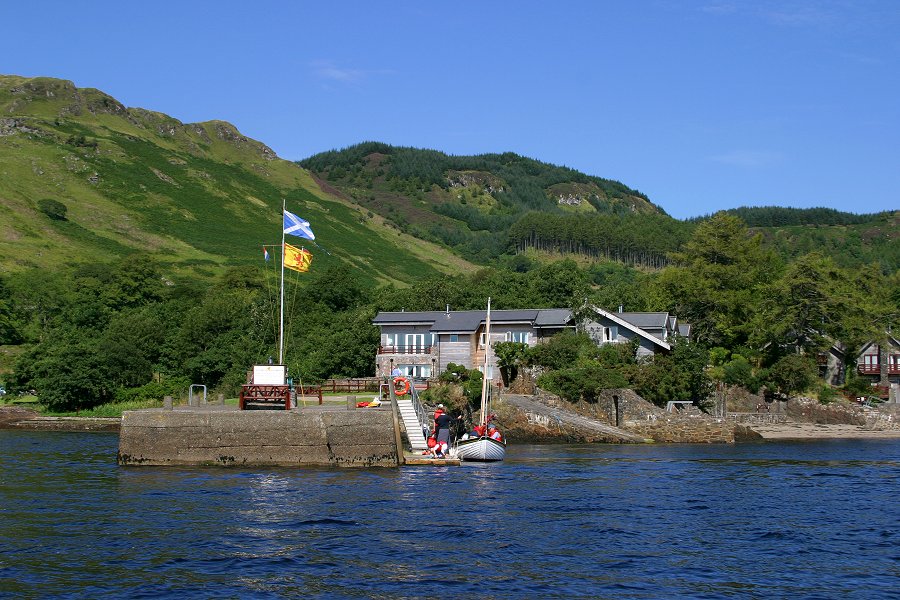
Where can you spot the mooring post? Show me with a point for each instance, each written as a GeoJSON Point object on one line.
{"type": "Point", "coordinates": [167, 403]}
{"type": "Point", "coordinates": [221, 399]}
{"type": "Point", "coordinates": [351, 402]}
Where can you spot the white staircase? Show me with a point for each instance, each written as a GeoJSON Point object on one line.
{"type": "Point", "coordinates": [411, 423]}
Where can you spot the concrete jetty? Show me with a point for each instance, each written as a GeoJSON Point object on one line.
{"type": "Point", "coordinates": [222, 435]}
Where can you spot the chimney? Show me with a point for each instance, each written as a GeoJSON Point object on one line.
{"type": "Point", "coordinates": [620, 308]}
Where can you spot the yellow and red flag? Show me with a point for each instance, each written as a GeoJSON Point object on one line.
{"type": "Point", "coordinates": [297, 259]}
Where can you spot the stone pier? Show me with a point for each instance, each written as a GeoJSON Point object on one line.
{"type": "Point", "coordinates": [212, 435]}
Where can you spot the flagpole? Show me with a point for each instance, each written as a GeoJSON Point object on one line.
{"type": "Point", "coordinates": [281, 312]}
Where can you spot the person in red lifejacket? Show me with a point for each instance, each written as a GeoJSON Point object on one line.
{"type": "Point", "coordinates": [442, 422]}
{"type": "Point", "coordinates": [494, 433]}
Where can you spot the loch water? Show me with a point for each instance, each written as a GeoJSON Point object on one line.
{"type": "Point", "coordinates": [768, 520]}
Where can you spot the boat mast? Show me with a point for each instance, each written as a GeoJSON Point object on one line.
{"type": "Point", "coordinates": [281, 295]}
{"type": "Point", "coordinates": [487, 348]}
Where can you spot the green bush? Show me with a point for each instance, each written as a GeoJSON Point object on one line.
{"type": "Point", "coordinates": [738, 371]}
{"type": "Point", "coordinates": [827, 394]}
{"type": "Point", "coordinates": [582, 382]}
{"type": "Point", "coordinates": [857, 386]}
{"type": "Point", "coordinates": [510, 355]}
{"type": "Point", "coordinates": [175, 387]}
{"type": "Point", "coordinates": [792, 374]}
{"type": "Point", "coordinates": [53, 209]}
{"type": "Point", "coordinates": [454, 373]}
{"type": "Point", "coordinates": [561, 351]}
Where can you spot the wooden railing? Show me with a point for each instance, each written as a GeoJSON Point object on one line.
{"type": "Point", "coordinates": [351, 386]}
{"type": "Point", "coordinates": [870, 369]}
{"type": "Point", "coordinates": [405, 349]}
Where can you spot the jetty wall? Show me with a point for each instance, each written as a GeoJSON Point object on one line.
{"type": "Point", "coordinates": [341, 438]}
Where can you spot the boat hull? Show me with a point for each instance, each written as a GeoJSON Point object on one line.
{"type": "Point", "coordinates": [482, 449]}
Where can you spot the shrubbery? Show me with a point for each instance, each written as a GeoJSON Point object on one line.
{"type": "Point", "coordinates": [53, 209]}
{"type": "Point", "coordinates": [584, 381]}
{"type": "Point", "coordinates": [792, 374]}
{"type": "Point", "coordinates": [154, 391]}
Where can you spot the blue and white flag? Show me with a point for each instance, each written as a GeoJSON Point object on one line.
{"type": "Point", "coordinates": [294, 225]}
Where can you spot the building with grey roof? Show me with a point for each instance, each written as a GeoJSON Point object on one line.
{"type": "Point", "coordinates": [423, 343]}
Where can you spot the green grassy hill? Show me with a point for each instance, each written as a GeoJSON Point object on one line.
{"type": "Point", "coordinates": [199, 196]}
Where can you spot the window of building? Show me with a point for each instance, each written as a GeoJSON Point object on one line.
{"type": "Point", "coordinates": [391, 341]}
{"type": "Point", "coordinates": [454, 337]}
{"type": "Point", "coordinates": [415, 371]}
{"type": "Point", "coordinates": [520, 337]}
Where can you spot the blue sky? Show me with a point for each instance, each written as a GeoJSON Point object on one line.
{"type": "Point", "coordinates": [701, 105]}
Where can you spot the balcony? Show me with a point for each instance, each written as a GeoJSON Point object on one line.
{"type": "Point", "coordinates": [411, 349]}
{"type": "Point", "coordinates": [893, 369]}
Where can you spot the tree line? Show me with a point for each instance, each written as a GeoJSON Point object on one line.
{"type": "Point", "coordinates": [101, 332]}
{"type": "Point", "coordinates": [640, 240]}
{"type": "Point", "coordinates": [780, 216]}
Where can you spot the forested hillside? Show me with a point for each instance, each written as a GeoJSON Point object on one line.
{"type": "Point", "coordinates": [471, 203]}
{"type": "Point", "coordinates": [851, 239]}
{"type": "Point", "coordinates": [491, 206]}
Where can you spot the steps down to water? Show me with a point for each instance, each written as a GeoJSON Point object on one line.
{"type": "Point", "coordinates": [411, 422]}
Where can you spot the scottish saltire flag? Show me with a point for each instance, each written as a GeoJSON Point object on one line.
{"type": "Point", "coordinates": [294, 225]}
{"type": "Point", "coordinates": [297, 259]}
{"type": "Point", "coordinates": [266, 254]}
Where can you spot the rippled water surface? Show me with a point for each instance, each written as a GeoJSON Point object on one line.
{"type": "Point", "coordinates": [798, 520]}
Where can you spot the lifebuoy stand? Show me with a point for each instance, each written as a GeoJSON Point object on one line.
{"type": "Point", "coordinates": [401, 386]}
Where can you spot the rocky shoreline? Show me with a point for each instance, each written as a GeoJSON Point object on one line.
{"type": "Point", "coordinates": [546, 419]}
{"type": "Point", "coordinates": [17, 417]}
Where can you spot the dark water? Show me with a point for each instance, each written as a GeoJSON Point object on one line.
{"type": "Point", "coordinates": [801, 520]}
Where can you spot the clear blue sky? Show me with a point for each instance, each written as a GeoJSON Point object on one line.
{"type": "Point", "coordinates": [702, 105]}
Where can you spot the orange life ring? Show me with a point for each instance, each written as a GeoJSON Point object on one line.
{"type": "Point", "coordinates": [401, 386]}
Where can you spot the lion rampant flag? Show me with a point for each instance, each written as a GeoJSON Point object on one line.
{"type": "Point", "coordinates": [297, 259]}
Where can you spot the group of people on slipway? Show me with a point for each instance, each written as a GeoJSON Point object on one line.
{"type": "Point", "coordinates": [439, 441]}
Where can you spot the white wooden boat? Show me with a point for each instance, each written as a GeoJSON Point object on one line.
{"type": "Point", "coordinates": [482, 449]}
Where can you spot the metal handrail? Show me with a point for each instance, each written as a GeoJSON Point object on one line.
{"type": "Point", "coordinates": [417, 406]}
{"type": "Point", "coordinates": [191, 393]}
